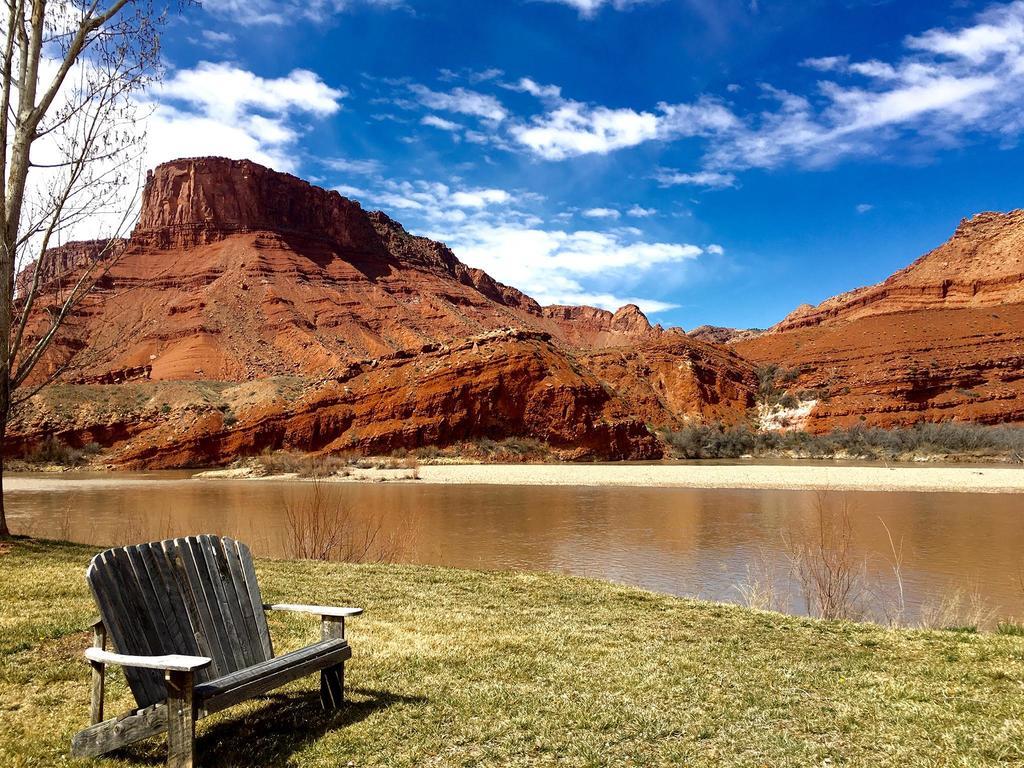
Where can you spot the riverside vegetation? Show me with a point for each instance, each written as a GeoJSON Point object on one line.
{"type": "Point", "coordinates": [467, 668]}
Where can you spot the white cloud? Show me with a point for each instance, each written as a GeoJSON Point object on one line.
{"type": "Point", "coordinates": [639, 212]}
{"type": "Point", "coordinates": [578, 129]}
{"type": "Point", "coordinates": [462, 101]}
{"type": "Point", "coordinates": [1000, 31]}
{"type": "Point", "coordinates": [949, 85]}
{"type": "Point", "coordinates": [601, 213]}
{"type": "Point", "coordinates": [557, 266]}
{"type": "Point", "coordinates": [864, 207]}
{"type": "Point", "coordinates": [526, 85]}
{"type": "Point", "coordinates": [226, 91]}
{"type": "Point", "coordinates": [439, 122]}
{"type": "Point", "coordinates": [588, 8]}
{"type": "Point", "coordinates": [490, 229]}
{"type": "Point", "coordinates": [221, 109]}
{"type": "Point", "coordinates": [572, 128]}
{"type": "Point", "coordinates": [826, 63]}
{"type": "Point", "coordinates": [715, 249]}
{"type": "Point", "coordinates": [282, 12]}
{"type": "Point", "coordinates": [667, 177]}
{"type": "Point", "coordinates": [347, 165]}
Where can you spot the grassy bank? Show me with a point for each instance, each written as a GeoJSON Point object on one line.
{"type": "Point", "coordinates": [464, 668]}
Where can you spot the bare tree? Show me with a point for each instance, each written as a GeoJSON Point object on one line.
{"type": "Point", "coordinates": [72, 70]}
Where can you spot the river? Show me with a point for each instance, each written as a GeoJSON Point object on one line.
{"type": "Point", "coordinates": [709, 543]}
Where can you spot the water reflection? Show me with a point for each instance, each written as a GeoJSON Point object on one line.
{"type": "Point", "coordinates": [681, 541]}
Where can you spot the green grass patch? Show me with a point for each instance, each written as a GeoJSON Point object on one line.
{"type": "Point", "coordinates": [458, 668]}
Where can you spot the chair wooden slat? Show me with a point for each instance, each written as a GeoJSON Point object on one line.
{"type": "Point", "coordinates": [124, 628]}
{"type": "Point", "coordinates": [167, 592]}
{"type": "Point", "coordinates": [255, 597]}
{"type": "Point", "coordinates": [243, 600]}
{"type": "Point", "coordinates": [231, 611]}
{"type": "Point", "coordinates": [208, 615]}
{"type": "Point", "coordinates": [175, 563]}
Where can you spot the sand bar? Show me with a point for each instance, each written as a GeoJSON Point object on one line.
{"type": "Point", "coordinates": [995, 479]}
{"type": "Point", "coordinates": [963, 479]}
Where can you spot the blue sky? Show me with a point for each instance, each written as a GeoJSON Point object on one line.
{"type": "Point", "coordinates": [715, 161]}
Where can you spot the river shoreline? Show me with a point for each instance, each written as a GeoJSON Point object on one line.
{"type": "Point", "coordinates": [946, 479]}
{"type": "Point", "coordinates": [730, 476]}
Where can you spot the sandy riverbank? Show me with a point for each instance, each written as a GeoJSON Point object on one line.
{"type": "Point", "coordinates": [755, 476]}
{"type": "Point", "coordinates": [973, 480]}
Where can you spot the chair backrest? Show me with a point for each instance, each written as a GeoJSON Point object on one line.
{"type": "Point", "coordinates": [195, 596]}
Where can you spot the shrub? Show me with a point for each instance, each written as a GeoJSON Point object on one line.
{"type": "Point", "coordinates": [55, 451]}
{"type": "Point", "coordinates": [715, 441]}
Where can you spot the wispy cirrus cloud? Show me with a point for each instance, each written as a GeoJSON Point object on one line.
{"type": "Point", "coordinates": [283, 12]}
{"type": "Point", "coordinates": [669, 177]}
{"type": "Point", "coordinates": [945, 88]}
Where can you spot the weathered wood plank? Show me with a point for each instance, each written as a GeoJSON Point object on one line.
{"type": "Point", "coordinates": [247, 652]}
{"type": "Point", "coordinates": [241, 591]}
{"type": "Point", "coordinates": [198, 576]}
{"type": "Point", "coordinates": [146, 638]}
{"type": "Point", "coordinates": [315, 610]}
{"type": "Point", "coordinates": [168, 662]}
{"type": "Point", "coordinates": [255, 597]}
{"type": "Point", "coordinates": [120, 731]}
{"type": "Point", "coordinates": [181, 720]}
{"type": "Point", "coordinates": [175, 563]}
{"type": "Point", "coordinates": [169, 602]}
{"type": "Point", "coordinates": [214, 696]}
{"type": "Point", "coordinates": [108, 589]}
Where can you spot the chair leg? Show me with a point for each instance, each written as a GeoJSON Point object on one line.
{"type": "Point", "coordinates": [332, 679]}
{"type": "Point", "coordinates": [181, 720]}
{"type": "Point", "coordinates": [332, 687]}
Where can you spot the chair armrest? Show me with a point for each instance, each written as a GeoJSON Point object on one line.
{"type": "Point", "coordinates": [171, 663]}
{"type": "Point", "coordinates": [316, 610]}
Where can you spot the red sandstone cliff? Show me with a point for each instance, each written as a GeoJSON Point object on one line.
{"type": "Point", "coordinates": [236, 273]}
{"type": "Point", "coordinates": [982, 265]}
{"type": "Point", "coordinates": [942, 339]}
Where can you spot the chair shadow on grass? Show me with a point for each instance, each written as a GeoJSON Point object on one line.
{"type": "Point", "coordinates": [286, 723]}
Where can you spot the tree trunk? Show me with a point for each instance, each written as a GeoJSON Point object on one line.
{"type": "Point", "coordinates": [5, 532]}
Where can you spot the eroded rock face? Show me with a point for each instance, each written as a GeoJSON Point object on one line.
{"type": "Point", "coordinates": [670, 381]}
{"type": "Point", "coordinates": [942, 339]}
{"type": "Point", "coordinates": [716, 334]}
{"type": "Point", "coordinates": [590, 327]}
{"type": "Point", "coordinates": [982, 265]}
{"type": "Point", "coordinates": [196, 201]}
{"type": "Point", "coordinates": [499, 384]}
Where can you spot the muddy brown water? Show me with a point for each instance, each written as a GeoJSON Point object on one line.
{"type": "Point", "coordinates": [690, 542]}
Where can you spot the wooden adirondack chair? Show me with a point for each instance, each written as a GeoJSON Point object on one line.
{"type": "Point", "coordinates": [189, 627]}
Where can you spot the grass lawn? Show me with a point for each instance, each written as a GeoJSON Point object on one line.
{"type": "Point", "coordinates": [464, 668]}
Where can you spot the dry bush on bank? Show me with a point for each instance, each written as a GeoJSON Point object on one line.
{"type": "Point", "coordinates": [717, 441]}
{"type": "Point", "coordinates": [963, 609]}
{"type": "Point", "coordinates": [762, 589]}
{"type": "Point", "coordinates": [320, 526]}
{"type": "Point", "coordinates": [832, 582]}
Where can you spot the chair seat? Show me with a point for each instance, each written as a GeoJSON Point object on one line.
{"type": "Point", "coordinates": [267, 675]}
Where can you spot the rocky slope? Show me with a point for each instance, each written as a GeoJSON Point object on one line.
{"type": "Point", "coordinates": [717, 334]}
{"type": "Point", "coordinates": [941, 339]}
{"type": "Point", "coordinates": [494, 385]}
{"type": "Point", "coordinates": [236, 273]}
